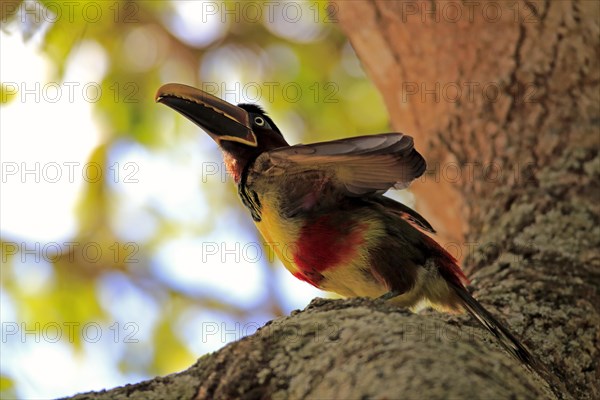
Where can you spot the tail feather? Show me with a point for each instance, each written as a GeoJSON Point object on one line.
{"type": "Point", "coordinates": [488, 321]}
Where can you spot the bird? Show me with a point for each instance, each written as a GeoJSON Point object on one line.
{"type": "Point", "coordinates": [321, 208]}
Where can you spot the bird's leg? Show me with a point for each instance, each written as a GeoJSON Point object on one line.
{"type": "Point", "coordinates": [389, 295]}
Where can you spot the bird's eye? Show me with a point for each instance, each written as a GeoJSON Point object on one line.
{"type": "Point", "coordinates": [259, 121]}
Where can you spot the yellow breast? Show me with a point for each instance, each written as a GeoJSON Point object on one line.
{"type": "Point", "coordinates": [280, 235]}
{"type": "Point", "coordinates": [347, 279]}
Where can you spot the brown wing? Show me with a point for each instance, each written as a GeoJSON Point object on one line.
{"type": "Point", "coordinates": [358, 165]}
{"type": "Point", "coordinates": [317, 176]}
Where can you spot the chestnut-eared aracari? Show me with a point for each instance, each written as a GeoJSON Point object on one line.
{"type": "Point", "coordinates": [321, 208]}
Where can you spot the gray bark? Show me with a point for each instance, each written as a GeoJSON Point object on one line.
{"type": "Point", "coordinates": [350, 349]}
{"type": "Point", "coordinates": [532, 231]}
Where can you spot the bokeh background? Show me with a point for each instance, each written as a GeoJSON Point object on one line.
{"type": "Point", "coordinates": [125, 251]}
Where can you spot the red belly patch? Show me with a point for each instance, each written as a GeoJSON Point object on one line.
{"type": "Point", "coordinates": [326, 243]}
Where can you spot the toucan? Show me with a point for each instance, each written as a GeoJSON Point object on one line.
{"type": "Point", "coordinates": [321, 207]}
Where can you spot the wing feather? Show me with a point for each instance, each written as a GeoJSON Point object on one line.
{"type": "Point", "coordinates": [358, 165]}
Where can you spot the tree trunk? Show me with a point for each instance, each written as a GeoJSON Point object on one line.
{"type": "Point", "coordinates": [503, 100]}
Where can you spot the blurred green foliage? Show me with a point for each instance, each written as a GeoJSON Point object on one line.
{"type": "Point", "coordinates": [142, 49]}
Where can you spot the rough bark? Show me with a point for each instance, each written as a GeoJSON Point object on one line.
{"type": "Point", "coordinates": [528, 214]}
{"type": "Point", "coordinates": [528, 155]}
{"type": "Point", "coordinates": [347, 349]}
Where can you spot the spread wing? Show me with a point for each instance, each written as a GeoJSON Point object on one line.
{"type": "Point", "coordinates": [360, 165]}
{"type": "Point", "coordinates": [314, 173]}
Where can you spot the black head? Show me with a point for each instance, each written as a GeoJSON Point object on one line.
{"type": "Point", "coordinates": [267, 133]}
{"type": "Point", "coordinates": [243, 131]}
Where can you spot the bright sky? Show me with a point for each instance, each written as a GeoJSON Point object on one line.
{"type": "Point", "coordinates": [30, 119]}
{"type": "Point", "coordinates": [36, 209]}
{"type": "Point", "coordinates": [50, 130]}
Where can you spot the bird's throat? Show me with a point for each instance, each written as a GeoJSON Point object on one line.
{"type": "Point", "coordinates": [233, 166]}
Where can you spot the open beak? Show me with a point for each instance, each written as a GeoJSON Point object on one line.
{"type": "Point", "coordinates": [221, 120]}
